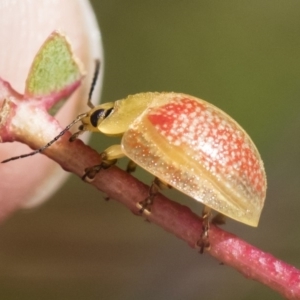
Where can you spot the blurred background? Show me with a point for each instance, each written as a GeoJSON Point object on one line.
{"type": "Point", "coordinates": [242, 56]}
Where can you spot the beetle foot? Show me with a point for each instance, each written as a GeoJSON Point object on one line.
{"type": "Point", "coordinates": [91, 172]}
{"type": "Point", "coordinates": [219, 219]}
{"type": "Point", "coordinates": [203, 243]}
{"type": "Point", "coordinates": [145, 206]}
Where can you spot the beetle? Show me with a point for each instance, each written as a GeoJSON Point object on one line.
{"type": "Point", "coordinates": [188, 144]}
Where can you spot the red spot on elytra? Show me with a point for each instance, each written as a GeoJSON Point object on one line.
{"type": "Point", "coordinates": [215, 138]}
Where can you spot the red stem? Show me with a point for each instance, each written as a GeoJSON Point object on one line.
{"type": "Point", "coordinates": [175, 218]}
{"type": "Point", "coordinates": [182, 222]}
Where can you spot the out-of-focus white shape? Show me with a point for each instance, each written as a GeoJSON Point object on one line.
{"type": "Point", "coordinates": [24, 26]}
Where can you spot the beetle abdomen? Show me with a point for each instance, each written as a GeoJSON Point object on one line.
{"type": "Point", "coordinates": [201, 151]}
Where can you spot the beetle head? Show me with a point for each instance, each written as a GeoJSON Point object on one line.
{"type": "Point", "coordinates": [92, 119]}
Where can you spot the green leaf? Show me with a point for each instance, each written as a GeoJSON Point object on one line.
{"type": "Point", "coordinates": [54, 68]}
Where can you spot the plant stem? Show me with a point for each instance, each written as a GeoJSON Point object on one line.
{"type": "Point", "coordinates": [177, 219]}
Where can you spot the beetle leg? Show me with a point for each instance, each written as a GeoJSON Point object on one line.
{"type": "Point", "coordinates": [131, 166]}
{"type": "Point", "coordinates": [203, 243]}
{"type": "Point", "coordinates": [109, 157]}
{"type": "Point", "coordinates": [161, 184]}
{"type": "Point", "coordinates": [145, 205]}
{"type": "Point", "coordinates": [219, 219]}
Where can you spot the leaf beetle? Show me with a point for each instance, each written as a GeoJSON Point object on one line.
{"type": "Point", "coordinates": [188, 144]}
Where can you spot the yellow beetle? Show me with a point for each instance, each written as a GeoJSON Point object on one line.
{"type": "Point", "coordinates": [189, 144]}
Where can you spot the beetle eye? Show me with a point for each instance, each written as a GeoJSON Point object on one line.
{"type": "Point", "coordinates": [96, 115]}
{"type": "Point", "coordinates": [99, 114]}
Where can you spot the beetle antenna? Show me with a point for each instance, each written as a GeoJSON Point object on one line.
{"type": "Point", "coordinates": [95, 77]}
{"type": "Point", "coordinates": [80, 117]}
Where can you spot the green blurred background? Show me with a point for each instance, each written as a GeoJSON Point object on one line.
{"type": "Point", "coordinates": [244, 57]}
